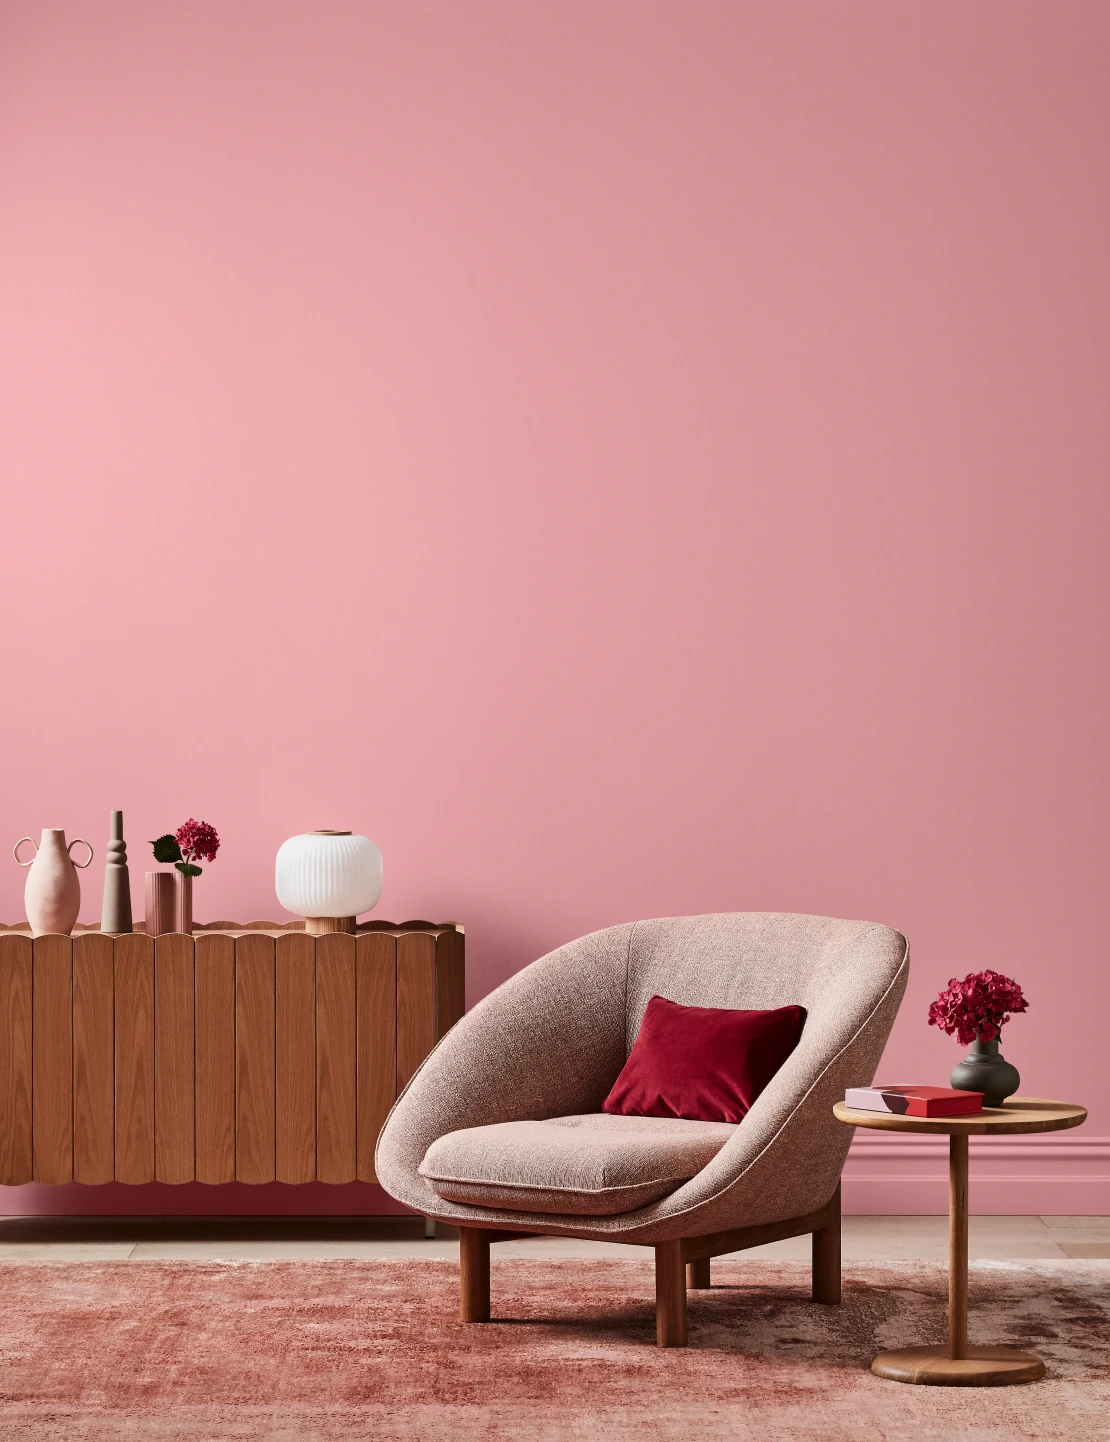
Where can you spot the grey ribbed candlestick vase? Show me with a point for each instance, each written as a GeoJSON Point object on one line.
{"type": "Point", "coordinates": [115, 916]}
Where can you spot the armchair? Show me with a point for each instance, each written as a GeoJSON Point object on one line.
{"type": "Point", "coordinates": [547, 1046]}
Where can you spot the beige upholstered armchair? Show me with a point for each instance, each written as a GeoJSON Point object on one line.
{"type": "Point", "coordinates": [501, 1131]}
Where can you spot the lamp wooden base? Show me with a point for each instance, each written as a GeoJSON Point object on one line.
{"type": "Point", "coordinates": [321, 925]}
{"type": "Point", "coordinates": [982, 1367]}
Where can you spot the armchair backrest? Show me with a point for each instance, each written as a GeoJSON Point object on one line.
{"type": "Point", "coordinates": [837, 970]}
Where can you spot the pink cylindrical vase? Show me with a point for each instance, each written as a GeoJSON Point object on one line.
{"type": "Point", "coordinates": [182, 903]}
{"type": "Point", "coordinates": [159, 903]}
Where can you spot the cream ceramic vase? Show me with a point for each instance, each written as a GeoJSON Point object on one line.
{"type": "Point", "coordinates": [52, 896]}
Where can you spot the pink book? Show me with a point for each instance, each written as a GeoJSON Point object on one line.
{"type": "Point", "coordinates": [914, 1101]}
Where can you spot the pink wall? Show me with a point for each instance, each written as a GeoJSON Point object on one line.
{"type": "Point", "coordinates": [628, 458]}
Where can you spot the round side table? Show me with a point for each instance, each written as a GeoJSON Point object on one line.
{"type": "Point", "coordinates": [957, 1364]}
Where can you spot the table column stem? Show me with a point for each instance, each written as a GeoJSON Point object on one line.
{"type": "Point", "coordinates": [957, 1246]}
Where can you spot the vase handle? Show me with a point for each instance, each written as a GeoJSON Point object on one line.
{"type": "Point", "coordinates": [18, 844]}
{"type": "Point", "coordinates": [80, 841]}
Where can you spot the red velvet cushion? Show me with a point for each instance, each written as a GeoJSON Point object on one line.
{"type": "Point", "coordinates": [703, 1062]}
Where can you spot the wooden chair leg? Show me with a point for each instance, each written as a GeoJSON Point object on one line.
{"type": "Point", "coordinates": [670, 1295]}
{"type": "Point", "coordinates": [826, 1256]}
{"type": "Point", "coordinates": [473, 1274]}
{"type": "Point", "coordinates": [697, 1273]}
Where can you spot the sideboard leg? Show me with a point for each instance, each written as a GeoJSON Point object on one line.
{"type": "Point", "coordinates": [826, 1255]}
{"type": "Point", "coordinates": [429, 1229]}
{"type": "Point", "coordinates": [473, 1274]}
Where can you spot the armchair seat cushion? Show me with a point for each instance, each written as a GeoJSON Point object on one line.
{"type": "Point", "coordinates": [592, 1165]}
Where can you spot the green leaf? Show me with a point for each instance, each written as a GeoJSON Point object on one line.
{"type": "Point", "coordinates": [166, 848]}
{"type": "Point", "coordinates": [187, 869]}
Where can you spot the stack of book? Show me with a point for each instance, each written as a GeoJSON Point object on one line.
{"type": "Point", "coordinates": [910, 1101]}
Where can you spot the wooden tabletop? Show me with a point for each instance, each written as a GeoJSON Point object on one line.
{"type": "Point", "coordinates": [1019, 1114]}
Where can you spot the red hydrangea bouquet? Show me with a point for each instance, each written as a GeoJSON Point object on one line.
{"type": "Point", "coordinates": [183, 846]}
{"type": "Point", "coordinates": [975, 1010]}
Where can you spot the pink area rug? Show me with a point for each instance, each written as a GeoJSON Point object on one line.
{"type": "Point", "coordinates": [372, 1349]}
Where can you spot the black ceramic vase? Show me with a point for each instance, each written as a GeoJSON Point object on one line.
{"type": "Point", "coordinates": [985, 1070]}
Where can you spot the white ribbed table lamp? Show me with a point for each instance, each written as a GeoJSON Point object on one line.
{"type": "Point", "coordinates": [329, 878]}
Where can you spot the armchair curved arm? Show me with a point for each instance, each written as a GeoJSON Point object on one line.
{"type": "Point", "coordinates": [549, 1042]}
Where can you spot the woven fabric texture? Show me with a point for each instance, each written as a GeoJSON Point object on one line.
{"type": "Point", "coordinates": [595, 1165]}
{"type": "Point", "coordinates": [551, 1041]}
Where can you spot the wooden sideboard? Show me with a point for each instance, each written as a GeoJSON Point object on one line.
{"type": "Point", "coordinates": [250, 1054]}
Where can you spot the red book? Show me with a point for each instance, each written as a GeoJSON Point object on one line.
{"type": "Point", "coordinates": [910, 1101]}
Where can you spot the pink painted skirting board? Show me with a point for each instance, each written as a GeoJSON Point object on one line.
{"type": "Point", "coordinates": [1067, 1174]}
{"type": "Point", "coordinates": [1061, 1174]}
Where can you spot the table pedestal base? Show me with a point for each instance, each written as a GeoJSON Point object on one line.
{"type": "Point", "coordinates": [982, 1367]}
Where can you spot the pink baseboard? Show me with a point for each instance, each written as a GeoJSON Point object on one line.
{"type": "Point", "coordinates": [196, 1199]}
{"type": "Point", "coordinates": [1061, 1174]}
{"type": "Point", "coordinates": [1016, 1196]}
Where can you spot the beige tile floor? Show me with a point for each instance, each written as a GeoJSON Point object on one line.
{"type": "Point", "coordinates": [68, 1239]}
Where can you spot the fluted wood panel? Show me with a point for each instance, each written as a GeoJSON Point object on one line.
{"type": "Point", "coordinates": [134, 968]}
{"type": "Point", "coordinates": [217, 1057]}
{"type": "Point", "coordinates": [94, 1103]}
{"type": "Point", "coordinates": [376, 1041]}
{"type": "Point", "coordinates": [335, 1058]}
{"type": "Point", "coordinates": [214, 966]}
{"type": "Point", "coordinates": [295, 962]}
{"type": "Point", "coordinates": [15, 1060]}
{"type": "Point", "coordinates": [450, 981]}
{"type": "Point", "coordinates": [254, 1059]}
{"type": "Point", "coordinates": [416, 1002]}
{"type": "Point", "coordinates": [174, 1087]}
{"type": "Point", "coordinates": [52, 1059]}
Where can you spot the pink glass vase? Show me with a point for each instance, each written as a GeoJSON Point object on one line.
{"type": "Point", "coordinates": [182, 903]}
{"type": "Point", "coordinates": [159, 903]}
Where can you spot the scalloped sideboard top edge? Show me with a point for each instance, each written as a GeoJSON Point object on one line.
{"type": "Point", "coordinates": [23, 928]}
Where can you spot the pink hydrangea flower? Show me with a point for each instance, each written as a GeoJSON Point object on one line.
{"type": "Point", "coordinates": [977, 1008]}
{"type": "Point", "coordinates": [197, 839]}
